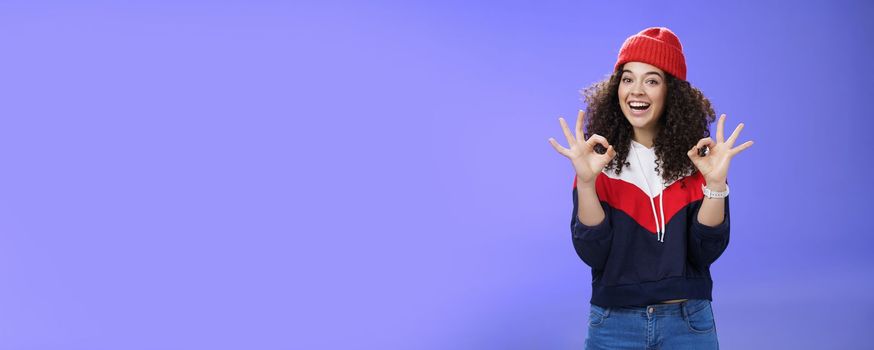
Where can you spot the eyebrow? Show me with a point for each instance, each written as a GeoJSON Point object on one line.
{"type": "Point", "coordinates": [647, 73]}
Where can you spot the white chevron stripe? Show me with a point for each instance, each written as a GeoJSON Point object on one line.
{"type": "Point", "coordinates": [630, 173]}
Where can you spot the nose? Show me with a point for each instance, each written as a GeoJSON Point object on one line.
{"type": "Point", "coordinates": [636, 89]}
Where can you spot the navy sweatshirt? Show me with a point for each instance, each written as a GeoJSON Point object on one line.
{"type": "Point", "coordinates": [630, 266]}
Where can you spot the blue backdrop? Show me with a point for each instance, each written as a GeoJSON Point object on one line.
{"type": "Point", "coordinates": [376, 175]}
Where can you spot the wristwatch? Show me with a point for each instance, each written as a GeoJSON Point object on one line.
{"type": "Point", "coordinates": [713, 194]}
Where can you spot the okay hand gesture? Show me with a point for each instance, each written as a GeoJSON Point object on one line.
{"type": "Point", "coordinates": [714, 165]}
{"type": "Point", "coordinates": [587, 163]}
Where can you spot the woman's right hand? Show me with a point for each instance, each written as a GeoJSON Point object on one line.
{"type": "Point", "coordinates": [587, 163]}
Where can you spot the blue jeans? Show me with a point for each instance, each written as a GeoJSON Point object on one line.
{"type": "Point", "coordinates": [686, 325]}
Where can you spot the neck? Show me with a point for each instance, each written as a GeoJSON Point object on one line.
{"type": "Point", "coordinates": [644, 137]}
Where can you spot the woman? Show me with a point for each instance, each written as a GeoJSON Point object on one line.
{"type": "Point", "coordinates": [650, 199]}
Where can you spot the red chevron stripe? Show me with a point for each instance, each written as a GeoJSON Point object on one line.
{"type": "Point", "coordinates": [630, 199]}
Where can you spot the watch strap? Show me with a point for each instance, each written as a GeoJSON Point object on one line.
{"type": "Point", "coordinates": [714, 194]}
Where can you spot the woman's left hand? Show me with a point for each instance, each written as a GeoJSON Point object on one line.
{"type": "Point", "coordinates": [714, 165]}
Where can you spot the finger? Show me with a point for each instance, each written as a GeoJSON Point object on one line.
{"type": "Point", "coordinates": [734, 135]}
{"type": "Point", "coordinates": [595, 138]}
{"type": "Point", "coordinates": [740, 148]}
{"type": "Point", "coordinates": [610, 153]}
{"type": "Point", "coordinates": [567, 132]}
{"type": "Point", "coordinates": [559, 148]}
{"type": "Point", "coordinates": [579, 126]}
{"type": "Point", "coordinates": [701, 143]}
{"type": "Point", "coordinates": [704, 142]}
{"type": "Point", "coordinates": [720, 126]}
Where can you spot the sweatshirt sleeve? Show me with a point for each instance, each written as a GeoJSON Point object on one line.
{"type": "Point", "coordinates": [592, 243]}
{"type": "Point", "coordinates": [706, 243]}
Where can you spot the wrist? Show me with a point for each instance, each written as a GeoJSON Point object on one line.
{"type": "Point", "coordinates": [718, 186]}
{"type": "Point", "coordinates": [585, 184]}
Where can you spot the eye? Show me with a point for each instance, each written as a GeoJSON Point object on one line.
{"type": "Point", "coordinates": [652, 82]}
{"type": "Point", "coordinates": [626, 80]}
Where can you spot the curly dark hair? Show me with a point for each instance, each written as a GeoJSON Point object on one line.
{"type": "Point", "coordinates": [683, 122]}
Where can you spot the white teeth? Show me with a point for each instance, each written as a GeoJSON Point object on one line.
{"type": "Point", "coordinates": [636, 104]}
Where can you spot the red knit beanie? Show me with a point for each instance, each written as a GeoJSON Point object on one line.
{"type": "Point", "coordinates": [658, 46]}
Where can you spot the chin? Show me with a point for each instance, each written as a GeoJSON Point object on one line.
{"type": "Point", "coordinates": [641, 121]}
{"type": "Point", "coordinates": [638, 121]}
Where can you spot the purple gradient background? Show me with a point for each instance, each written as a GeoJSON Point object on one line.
{"type": "Point", "coordinates": [269, 175]}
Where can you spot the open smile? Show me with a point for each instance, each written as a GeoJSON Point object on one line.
{"type": "Point", "coordinates": [639, 107]}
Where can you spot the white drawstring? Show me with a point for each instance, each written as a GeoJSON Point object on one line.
{"type": "Point", "coordinates": [662, 210]}
{"type": "Point", "coordinates": [660, 230]}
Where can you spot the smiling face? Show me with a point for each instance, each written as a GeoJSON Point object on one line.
{"type": "Point", "coordinates": [642, 91]}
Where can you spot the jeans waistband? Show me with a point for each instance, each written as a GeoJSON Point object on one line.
{"type": "Point", "coordinates": [683, 308]}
